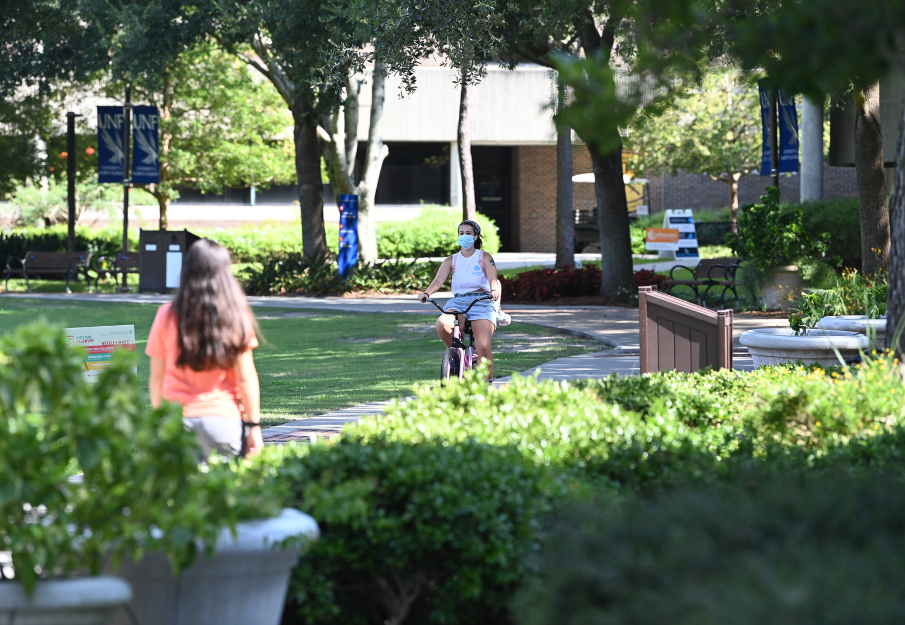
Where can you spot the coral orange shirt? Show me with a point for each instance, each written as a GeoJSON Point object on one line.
{"type": "Point", "coordinates": [201, 393]}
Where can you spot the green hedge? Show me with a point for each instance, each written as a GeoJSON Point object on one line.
{"type": "Point", "coordinates": [432, 533]}
{"type": "Point", "coordinates": [432, 233]}
{"type": "Point", "coordinates": [842, 220]}
{"type": "Point", "coordinates": [14, 242]}
{"type": "Point", "coordinates": [400, 497]}
{"type": "Point", "coordinates": [759, 550]}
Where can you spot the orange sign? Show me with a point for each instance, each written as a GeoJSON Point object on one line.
{"type": "Point", "coordinates": [662, 235]}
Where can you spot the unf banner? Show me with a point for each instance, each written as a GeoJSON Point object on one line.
{"type": "Point", "coordinates": [145, 164]}
{"type": "Point", "coordinates": [112, 144]}
{"type": "Point", "coordinates": [787, 120]}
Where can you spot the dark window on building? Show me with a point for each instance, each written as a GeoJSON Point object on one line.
{"type": "Point", "coordinates": [411, 174]}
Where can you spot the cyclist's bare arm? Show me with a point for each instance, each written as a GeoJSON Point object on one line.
{"type": "Point", "coordinates": [440, 280]}
{"type": "Point", "coordinates": [492, 277]}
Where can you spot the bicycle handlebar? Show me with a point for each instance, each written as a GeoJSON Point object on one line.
{"type": "Point", "coordinates": [480, 299]}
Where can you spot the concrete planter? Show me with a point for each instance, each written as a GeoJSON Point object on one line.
{"type": "Point", "coordinates": [775, 346]}
{"type": "Point", "coordinates": [783, 287]}
{"type": "Point", "coordinates": [79, 601]}
{"type": "Point", "coordinates": [244, 582]}
{"type": "Point", "coordinates": [875, 329]}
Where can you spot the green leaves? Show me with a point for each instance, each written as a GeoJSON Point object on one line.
{"type": "Point", "coordinates": [447, 524]}
{"type": "Point", "coordinates": [140, 489]}
{"type": "Point", "coordinates": [770, 236]}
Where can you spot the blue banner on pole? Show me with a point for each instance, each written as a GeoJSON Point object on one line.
{"type": "Point", "coordinates": [111, 144]}
{"type": "Point", "coordinates": [787, 120]}
{"type": "Point", "coordinates": [766, 166]}
{"type": "Point", "coordinates": [348, 233]}
{"type": "Point", "coordinates": [788, 133]}
{"type": "Point", "coordinates": [145, 163]}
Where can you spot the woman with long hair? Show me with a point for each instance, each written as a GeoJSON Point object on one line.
{"type": "Point", "coordinates": [200, 347]}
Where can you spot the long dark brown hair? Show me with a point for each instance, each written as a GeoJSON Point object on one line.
{"type": "Point", "coordinates": [214, 320]}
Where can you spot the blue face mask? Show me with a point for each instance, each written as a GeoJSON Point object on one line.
{"type": "Point", "coordinates": [466, 241]}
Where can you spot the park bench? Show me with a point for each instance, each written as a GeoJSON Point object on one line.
{"type": "Point", "coordinates": [709, 273]}
{"type": "Point", "coordinates": [70, 264]}
{"type": "Point", "coordinates": [124, 263]}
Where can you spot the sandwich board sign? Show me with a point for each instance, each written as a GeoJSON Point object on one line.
{"type": "Point", "coordinates": [100, 342]}
{"type": "Point", "coordinates": [661, 239]}
{"type": "Point", "coordinates": [681, 220]}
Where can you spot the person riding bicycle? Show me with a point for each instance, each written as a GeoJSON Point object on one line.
{"type": "Point", "coordinates": [474, 275]}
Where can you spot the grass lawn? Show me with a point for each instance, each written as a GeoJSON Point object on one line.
{"type": "Point", "coordinates": [313, 362]}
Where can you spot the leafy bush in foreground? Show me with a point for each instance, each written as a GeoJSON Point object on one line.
{"type": "Point", "coordinates": [790, 550]}
{"type": "Point", "coordinates": [650, 431]}
{"type": "Point", "coordinates": [141, 488]}
{"type": "Point", "coordinates": [429, 533]}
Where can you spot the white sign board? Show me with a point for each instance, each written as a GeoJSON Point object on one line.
{"type": "Point", "coordinates": [683, 221]}
{"type": "Point", "coordinates": [99, 342]}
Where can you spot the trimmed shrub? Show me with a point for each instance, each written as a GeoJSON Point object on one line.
{"type": "Point", "coordinates": [15, 242]}
{"type": "Point", "coordinates": [546, 284]}
{"type": "Point", "coordinates": [789, 550]}
{"type": "Point", "coordinates": [433, 233]}
{"type": "Point", "coordinates": [552, 424]}
{"type": "Point", "coordinates": [425, 533]}
{"type": "Point", "coordinates": [842, 220]}
{"type": "Point", "coordinates": [294, 273]}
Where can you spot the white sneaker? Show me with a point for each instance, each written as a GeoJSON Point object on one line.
{"type": "Point", "coordinates": [502, 319]}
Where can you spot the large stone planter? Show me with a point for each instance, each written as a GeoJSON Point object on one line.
{"type": "Point", "coordinates": [875, 329]}
{"type": "Point", "coordinates": [783, 287]}
{"type": "Point", "coordinates": [78, 601]}
{"type": "Point", "coordinates": [244, 583]}
{"type": "Point", "coordinates": [775, 346]}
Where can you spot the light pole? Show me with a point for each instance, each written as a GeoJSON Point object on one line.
{"type": "Point", "coordinates": [70, 173]}
{"type": "Point", "coordinates": [127, 111]}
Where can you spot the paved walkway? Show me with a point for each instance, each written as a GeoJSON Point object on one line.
{"type": "Point", "coordinates": [615, 328]}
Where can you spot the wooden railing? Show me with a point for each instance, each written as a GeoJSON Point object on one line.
{"type": "Point", "coordinates": [680, 336]}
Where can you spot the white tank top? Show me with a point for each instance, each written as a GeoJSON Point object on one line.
{"type": "Point", "coordinates": [468, 275]}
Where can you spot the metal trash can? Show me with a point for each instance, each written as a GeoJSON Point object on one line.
{"type": "Point", "coordinates": [160, 258]}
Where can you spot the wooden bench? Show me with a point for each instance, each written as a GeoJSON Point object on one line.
{"type": "Point", "coordinates": [116, 266]}
{"type": "Point", "coordinates": [70, 264]}
{"type": "Point", "coordinates": [709, 273]}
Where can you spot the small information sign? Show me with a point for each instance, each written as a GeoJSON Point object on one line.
{"type": "Point", "coordinates": [660, 239]}
{"type": "Point", "coordinates": [99, 342]}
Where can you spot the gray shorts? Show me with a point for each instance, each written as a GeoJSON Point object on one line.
{"type": "Point", "coordinates": [485, 309]}
{"type": "Point", "coordinates": [220, 434]}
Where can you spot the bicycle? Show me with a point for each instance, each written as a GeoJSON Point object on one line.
{"type": "Point", "coordinates": [460, 357]}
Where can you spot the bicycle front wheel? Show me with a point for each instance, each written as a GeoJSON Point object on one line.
{"type": "Point", "coordinates": [449, 367]}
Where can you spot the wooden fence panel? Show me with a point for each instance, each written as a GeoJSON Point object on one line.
{"type": "Point", "coordinates": [677, 335]}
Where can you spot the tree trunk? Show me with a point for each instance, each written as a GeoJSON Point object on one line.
{"type": "Point", "coordinates": [162, 195]}
{"type": "Point", "coordinates": [375, 153]}
{"type": "Point", "coordinates": [871, 180]}
{"type": "Point", "coordinates": [896, 300]}
{"type": "Point", "coordinates": [308, 152]}
{"type": "Point", "coordinates": [612, 221]}
{"type": "Point", "coordinates": [163, 200]}
{"type": "Point", "coordinates": [463, 135]}
{"type": "Point", "coordinates": [732, 182]}
{"type": "Point", "coordinates": [565, 215]}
